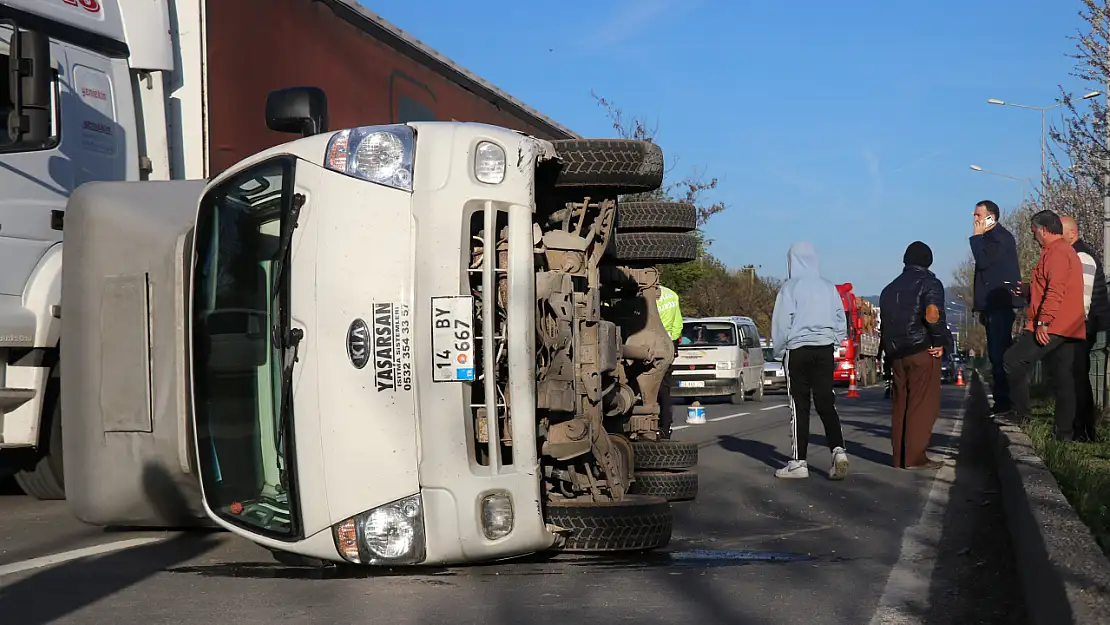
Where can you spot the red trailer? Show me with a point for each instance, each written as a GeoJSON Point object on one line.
{"type": "Point", "coordinates": [858, 353]}
{"type": "Point", "coordinates": [372, 72]}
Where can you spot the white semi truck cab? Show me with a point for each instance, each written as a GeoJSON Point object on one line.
{"type": "Point", "coordinates": [85, 99]}
{"type": "Point", "coordinates": [416, 343]}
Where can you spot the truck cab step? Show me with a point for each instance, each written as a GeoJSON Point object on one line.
{"type": "Point", "coordinates": [12, 398]}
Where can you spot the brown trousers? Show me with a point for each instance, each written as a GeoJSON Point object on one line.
{"type": "Point", "coordinates": [916, 396]}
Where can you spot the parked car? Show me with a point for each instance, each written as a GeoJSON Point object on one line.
{"type": "Point", "coordinates": [774, 374]}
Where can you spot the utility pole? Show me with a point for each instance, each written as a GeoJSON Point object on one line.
{"type": "Point", "coordinates": [751, 273]}
{"type": "Point", "coordinates": [1106, 183]}
{"type": "Point", "coordinates": [1104, 395]}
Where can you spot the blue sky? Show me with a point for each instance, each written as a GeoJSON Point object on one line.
{"type": "Point", "coordinates": [850, 124]}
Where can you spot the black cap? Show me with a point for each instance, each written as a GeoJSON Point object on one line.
{"type": "Point", "coordinates": [918, 254]}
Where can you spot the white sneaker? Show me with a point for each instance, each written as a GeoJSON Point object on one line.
{"type": "Point", "coordinates": [839, 464]}
{"type": "Point", "coordinates": [795, 469]}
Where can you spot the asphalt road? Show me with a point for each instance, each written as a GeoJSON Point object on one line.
{"type": "Point", "coordinates": [884, 546]}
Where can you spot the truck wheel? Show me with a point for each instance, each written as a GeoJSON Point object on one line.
{"type": "Point", "coordinates": [635, 524]}
{"type": "Point", "coordinates": [655, 247]}
{"type": "Point", "coordinates": [670, 485]}
{"type": "Point", "coordinates": [616, 165]}
{"type": "Point", "coordinates": [757, 394]}
{"type": "Point", "coordinates": [656, 217]}
{"type": "Point", "coordinates": [47, 480]}
{"type": "Point", "coordinates": [666, 454]}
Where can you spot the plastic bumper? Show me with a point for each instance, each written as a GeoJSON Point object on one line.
{"type": "Point", "coordinates": [711, 388]}
{"type": "Point", "coordinates": [777, 383]}
{"type": "Point", "coordinates": [454, 529]}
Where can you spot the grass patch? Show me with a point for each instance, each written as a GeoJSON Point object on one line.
{"type": "Point", "coordinates": [1082, 469]}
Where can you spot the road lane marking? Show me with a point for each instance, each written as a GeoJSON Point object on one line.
{"type": "Point", "coordinates": [66, 556]}
{"type": "Point", "coordinates": [906, 595]}
{"type": "Point", "coordinates": [730, 416]}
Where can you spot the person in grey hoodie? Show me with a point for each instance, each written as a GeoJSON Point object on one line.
{"type": "Point", "coordinates": [807, 325]}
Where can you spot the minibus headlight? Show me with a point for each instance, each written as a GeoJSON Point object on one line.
{"type": "Point", "coordinates": [389, 534]}
{"type": "Point", "coordinates": [379, 154]}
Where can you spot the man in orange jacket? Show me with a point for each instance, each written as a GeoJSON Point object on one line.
{"type": "Point", "coordinates": [1055, 323]}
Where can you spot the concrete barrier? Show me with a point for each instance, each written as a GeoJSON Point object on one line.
{"type": "Point", "coordinates": [1065, 577]}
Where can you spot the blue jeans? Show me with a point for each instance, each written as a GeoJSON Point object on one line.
{"type": "Point", "coordinates": [999, 324]}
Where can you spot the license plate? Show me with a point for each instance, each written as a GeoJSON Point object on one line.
{"type": "Point", "coordinates": [452, 339]}
{"type": "Point", "coordinates": [691, 384]}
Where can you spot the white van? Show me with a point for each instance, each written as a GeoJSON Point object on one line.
{"type": "Point", "coordinates": [719, 356]}
{"type": "Point", "coordinates": [243, 355]}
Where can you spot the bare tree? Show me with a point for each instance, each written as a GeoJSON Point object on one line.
{"type": "Point", "coordinates": [734, 293]}
{"type": "Point", "coordinates": [972, 334]}
{"type": "Point", "coordinates": [1076, 185]}
{"type": "Point", "coordinates": [707, 287]}
{"type": "Point", "coordinates": [1028, 250]}
{"type": "Point", "coordinates": [689, 189]}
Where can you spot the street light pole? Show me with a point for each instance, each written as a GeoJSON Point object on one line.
{"type": "Point", "coordinates": [1044, 149]}
{"type": "Point", "coordinates": [1106, 186]}
{"type": "Point", "coordinates": [1044, 129]}
{"type": "Point", "coordinates": [994, 173]}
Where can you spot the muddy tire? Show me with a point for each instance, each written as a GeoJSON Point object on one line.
{"type": "Point", "coordinates": [656, 217]}
{"type": "Point", "coordinates": [654, 247]}
{"type": "Point", "coordinates": [664, 455]}
{"type": "Point", "coordinates": [669, 485]}
{"type": "Point", "coordinates": [46, 481]}
{"type": "Point", "coordinates": [615, 165]}
{"type": "Point", "coordinates": [636, 524]}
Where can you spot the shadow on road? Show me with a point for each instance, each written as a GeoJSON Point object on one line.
{"type": "Point", "coordinates": [855, 450]}
{"type": "Point", "coordinates": [8, 487]}
{"type": "Point", "coordinates": [61, 590]}
{"type": "Point", "coordinates": [56, 592]}
{"type": "Point", "coordinates": [878, 430]}
{"type": "Point", "coordinates": [974, 579]}
{"type": "Point", "coordinates": [766, 453]}
{"type": "Point", "coordinates": [857, 528]}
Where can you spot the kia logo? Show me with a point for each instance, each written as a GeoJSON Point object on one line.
{"type": "Point", "coordinates": [358, 343]}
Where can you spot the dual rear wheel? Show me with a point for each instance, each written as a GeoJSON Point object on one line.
{"type": "Point", "coordinates": [645, 233]}
{"type": "Point", "coordinates": [643, 520]}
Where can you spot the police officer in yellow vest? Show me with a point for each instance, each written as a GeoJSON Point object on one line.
{"type": "Point", "coordinates": [671, 314]}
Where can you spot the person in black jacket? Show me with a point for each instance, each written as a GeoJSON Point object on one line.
{"type": "Point", "coordinates": [1097, 308]}
{"type": "Point", "coordinates": [914, 336]}
{"type": "Point", "coordinates": [996, 275]}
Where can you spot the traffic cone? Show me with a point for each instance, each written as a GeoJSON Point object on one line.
{"type": "Point", "coordinates": [960, 377]}
{"type": "Point", "coordinates": [852, 391]}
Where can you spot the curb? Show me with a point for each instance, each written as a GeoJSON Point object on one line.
{"type": "Point", "coordinates": [1065, 577]}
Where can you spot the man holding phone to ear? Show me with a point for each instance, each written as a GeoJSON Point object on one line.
{"type": "Point", "coordinates": [996, 275]}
